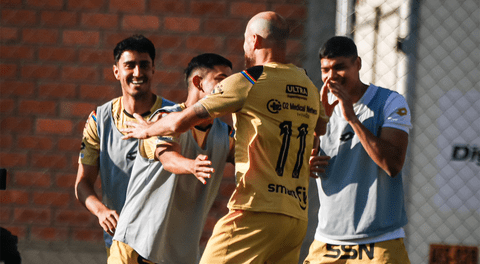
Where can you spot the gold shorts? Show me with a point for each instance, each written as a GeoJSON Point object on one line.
{"type": "Point", "coordinates": [121, 253]}
{"type": "Point", "coordinates": [255, 237]}
{"type": "Point", "coordinates": [390, 251]}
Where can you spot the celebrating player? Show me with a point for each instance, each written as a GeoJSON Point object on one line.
{"type": "Point", "coordinates": [166, 206]}
{"type": "Point", "coordinates": [276, 110]}
{"type": "Point", "coordinates": [362, 208]}
{"type": "Point", "coordinates": [102, 146]}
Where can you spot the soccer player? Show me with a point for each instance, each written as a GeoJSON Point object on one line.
{"type": "Point", "coordinates": [362, 209]}
{"type": "Point", "coordinates": [166, 206]}
{"type": "Point", "coordinates": [103, 149]}
{"type": "Point", "coordinates": [276, 110]}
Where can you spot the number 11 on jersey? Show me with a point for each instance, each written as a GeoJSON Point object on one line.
{"type": "Point", "coordinates": [286, 131]}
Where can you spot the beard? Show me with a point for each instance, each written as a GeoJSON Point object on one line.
{"type": "Point", "coordinates": [249, 62]}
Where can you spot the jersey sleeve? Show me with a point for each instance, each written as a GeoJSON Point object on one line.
{"type": "Point", "coordinates": [397, 113]}
{"type": "Point", "coordinates": [229, 95]}
{"type": "Point", "coordinates": [149, 146]}
{"type": "Point", "coordinates": [90, 148]}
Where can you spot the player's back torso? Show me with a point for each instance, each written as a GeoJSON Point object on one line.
{"type": "Point", "coordinates": [275, 130]}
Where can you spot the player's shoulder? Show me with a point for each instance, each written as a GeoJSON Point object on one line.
{"type": "Point", "coordinates": [165, 102]}
{"type": "Point", "coordinates": [253, 72]}
{"type": "Point", "coordinates": [392, 96]}
{"type": "Point", "coordinates": [114, 101]}
{"type": "Point", "coordinates": [167, 109]}
{"type": "Point", "coordinates": [102, 109]}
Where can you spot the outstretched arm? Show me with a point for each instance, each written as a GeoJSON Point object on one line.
{"type": "Point", "coordinates": [171, 124]}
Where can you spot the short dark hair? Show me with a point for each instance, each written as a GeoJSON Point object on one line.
{"type": "Point", "coordinates": [137, 43]}
{"type": "Point", "coordinates": [206, 60]}
{"type": "Point", "coordinates": [338, 46]}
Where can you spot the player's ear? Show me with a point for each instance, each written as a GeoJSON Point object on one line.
{"type": "Point", "coordinates": [197, 82]}
{"type": "Point", "coordinates": [115, 71]}
{"type": "Point", "coordinates": [257, 41]}
{"type": "Point", "coordinates": [358, 63]}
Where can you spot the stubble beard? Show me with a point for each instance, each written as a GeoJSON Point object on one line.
{"type": "Point", "coordinates": [249, 62]}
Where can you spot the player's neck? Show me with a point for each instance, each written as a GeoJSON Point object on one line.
{"type": "Point", "coordinates": [267, 56]}
{"type": "Point", "coordinates": [138, 105]}
{"type": "Point", "coordinates": [192, 98]}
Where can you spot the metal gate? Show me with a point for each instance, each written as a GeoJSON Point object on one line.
{"type": "Point", "coordinates": [429, 51]}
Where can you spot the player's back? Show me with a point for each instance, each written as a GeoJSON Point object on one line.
{"type": "Point", "coordinates": [275, 130]}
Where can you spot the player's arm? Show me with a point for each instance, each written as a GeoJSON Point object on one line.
{"type": "Point", "coordinates": [171, 124]}
{"type": "Point", "coordinates": [168, 153]}
{"type": "Point", "coordinates": [388, 150]}
{"type": "Point", "coordinates": [86, 195]}
{"type": "Point", "coordinates": [319, 163]}
{"type": "Point", "coordinates": [228, 97]}
{"type": "Point", "coordinates": [87, 175]}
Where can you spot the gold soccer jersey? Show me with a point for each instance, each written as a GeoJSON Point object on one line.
{"type": "Point", "coordinates": [275, 110]}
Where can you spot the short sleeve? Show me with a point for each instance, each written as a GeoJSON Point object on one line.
{"type": "Point", "coordinates": [90, 147]}
{"type": "Point", "coordinates": [397, 113]}
{"type": "Point", "coordinates": [230, 94]}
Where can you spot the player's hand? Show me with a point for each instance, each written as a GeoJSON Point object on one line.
{"type": "Point", "coordinates": [317, 164]}
{"type": "Point", "coordinates": [136, 129]}
{"type": "Point", "coordinates": [108, 220]}
{"type": "Point", "coordinates": [344, 98]}
{"type": "Point", "coordinates": [202, 168]}
{"type": "Point", "coordinates": [326, 105]}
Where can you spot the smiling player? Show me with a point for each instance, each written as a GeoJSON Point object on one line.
{"type": "Point", "coordinates": [102, 148]}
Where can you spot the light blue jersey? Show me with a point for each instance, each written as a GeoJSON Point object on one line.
{"type": "Point", "coordinates": [357, 198]}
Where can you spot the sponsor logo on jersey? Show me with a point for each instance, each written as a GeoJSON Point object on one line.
{"type": "Point", "coordinates": [274, 106]}
{"type": "Point", "coordinates": [350, 251]}
{"type": "Point", "coordinates": [402, 111]}
{"type": "Point", "coordinates": [299, 193]}
{"type": "Point", "coordinates": [132, 155]}
{"type": "Point", "coordinates": [296, 90]}
{"type": "Point", "coordinates": [347, 136]}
